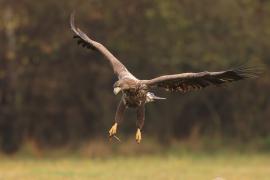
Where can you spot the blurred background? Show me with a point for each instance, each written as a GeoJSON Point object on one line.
{"type": "Point", "coordinates": [57, 95]}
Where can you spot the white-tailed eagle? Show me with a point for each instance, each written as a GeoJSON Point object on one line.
{"type": "Point", "coordinates": [136, 93]}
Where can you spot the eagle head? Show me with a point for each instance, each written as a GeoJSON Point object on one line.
{"type": "Point", "coordinates": [116, 90]}
{"type": "Point", "coordinates": [124, 84]}
{"type": "Point", "coordinates": [118, 86]}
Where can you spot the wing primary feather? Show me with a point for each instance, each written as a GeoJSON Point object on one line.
{"type": "Point", "coordinates": [191, 81]}
{"type": "Point", "coordinates": [82, 39]}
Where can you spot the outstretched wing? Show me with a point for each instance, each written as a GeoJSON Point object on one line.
{"type": "Point", "coordinates": [193, 81]}
{"type": "Point", "coordinates": [119, 69]}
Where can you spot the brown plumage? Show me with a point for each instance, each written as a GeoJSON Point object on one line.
{"type": "Point", "coordinates": [193, 81]}
{"type": "Point", "coordinates": [136, 93]}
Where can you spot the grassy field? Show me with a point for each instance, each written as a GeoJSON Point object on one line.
{"type": "Point", "coordinates": [185, 166]}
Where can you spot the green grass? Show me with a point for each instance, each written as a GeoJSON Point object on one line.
{"type": "Point", "coordinates": [170, 166]}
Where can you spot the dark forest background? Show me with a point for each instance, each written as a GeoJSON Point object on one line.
{"type": "Point", "coordinates": [55, 93]}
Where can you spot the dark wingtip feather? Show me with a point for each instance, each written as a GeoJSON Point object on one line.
{"type": "Point", "coordinates": [79, 35]}
{"type": "Point", "coordinates": [245, 72]}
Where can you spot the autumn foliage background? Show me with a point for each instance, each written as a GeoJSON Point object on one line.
{"type": "Point", "coordinates": [54, 93]}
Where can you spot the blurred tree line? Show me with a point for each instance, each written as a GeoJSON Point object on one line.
{"type": "Point", "coordinates": [56, 93]}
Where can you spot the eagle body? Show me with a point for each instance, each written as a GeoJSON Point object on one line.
{"type": "Point", "coordinates": [134, 98]}
{"type": "Point", "coordinates": [136, 93]}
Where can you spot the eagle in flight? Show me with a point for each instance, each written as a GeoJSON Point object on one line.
{"type": "Point", "coordinates": [136, 93]}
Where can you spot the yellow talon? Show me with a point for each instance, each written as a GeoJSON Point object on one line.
{"type": "Point", "coordinates": [138, 136]}
{"type": "Point", "coordinates": [113, 130]}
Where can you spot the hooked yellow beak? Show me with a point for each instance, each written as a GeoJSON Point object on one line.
{"type": "Point", "coordinates": [116, 90]}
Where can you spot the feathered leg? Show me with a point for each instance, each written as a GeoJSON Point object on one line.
{"type": "Point", "coordinates": [140, 122]}
{"type": "Point", "coordinates": [119, 115]}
